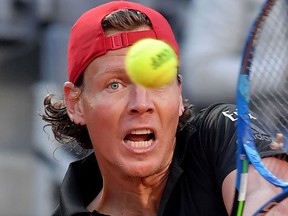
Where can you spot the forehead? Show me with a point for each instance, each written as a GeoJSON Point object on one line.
{"type": "Point", "coordinates": [110, 62]}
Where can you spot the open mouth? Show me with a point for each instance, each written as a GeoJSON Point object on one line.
{"type": "Point", "coordinates": [140, 138]}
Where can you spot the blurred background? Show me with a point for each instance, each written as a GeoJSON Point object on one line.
{"type": "Point", "coordinates": [33, 41]}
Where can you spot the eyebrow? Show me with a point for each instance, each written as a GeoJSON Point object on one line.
{"type": "Point", "coordinates": [116, 70]}
{"type": "Point", "coordinates": [112, 71]}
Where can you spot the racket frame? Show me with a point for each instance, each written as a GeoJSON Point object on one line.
{"type": "Point", "coordinates": [246, 149]}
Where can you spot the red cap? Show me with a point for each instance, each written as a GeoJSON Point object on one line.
{"type": "Point", "coordinates": [88, 40]}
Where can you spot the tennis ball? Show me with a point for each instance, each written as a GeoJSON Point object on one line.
{"type": "Point", "coordinates": [151, 63]}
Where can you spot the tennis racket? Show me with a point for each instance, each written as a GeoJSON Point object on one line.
{"type": "Point", "coordinates": [262, 97]}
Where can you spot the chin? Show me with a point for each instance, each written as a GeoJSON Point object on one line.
{"type": "Point", "coordinates": [143, 170]}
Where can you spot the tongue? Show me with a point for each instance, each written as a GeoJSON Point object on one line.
{"type": "Point", "coordinates": [137, 137]}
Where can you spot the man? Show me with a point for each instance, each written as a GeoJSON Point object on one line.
{"type": "Point", "coordinates": [151, 154]}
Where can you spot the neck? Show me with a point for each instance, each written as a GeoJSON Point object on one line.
{"type": "Point", "coordinates": [130, 195]}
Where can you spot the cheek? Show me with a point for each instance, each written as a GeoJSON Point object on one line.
{"type": "Point", "coordinates": [173, 104]}
{"type": "Point", "coordinates": [100, 115]}
{"type": "Point", "coordinates": [170, 112]}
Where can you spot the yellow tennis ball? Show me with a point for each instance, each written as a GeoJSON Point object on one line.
{"type": "Point", "coordinates": [151, 63]}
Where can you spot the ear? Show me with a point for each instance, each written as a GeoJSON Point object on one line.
{"type": "Point", "coordinates": [181, 105]}
{"type": "Point", "coordinates": [73, 103]}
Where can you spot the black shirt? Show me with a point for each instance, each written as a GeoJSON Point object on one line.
{"type": "Point", "coordinates": [205, 154]}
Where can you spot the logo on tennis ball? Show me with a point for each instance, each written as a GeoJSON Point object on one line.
{"type": "Point", "coordinates": [151, 63]}
{"type": "Point", "coordinates": [163, 56]}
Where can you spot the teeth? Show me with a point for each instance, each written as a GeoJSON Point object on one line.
{"type": "Point", "coordinates": [140, 144]}
{"type": "Point", "coordinates": [143, 131]}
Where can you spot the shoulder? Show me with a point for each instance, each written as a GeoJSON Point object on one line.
{"type": "Point", "coordinates": [214, 131]}
{"type": "Point", "coordinates": [216, 111]}
{"type": "Point", "coordinates": [215, 138]}
{"type": "Point", "coordinates": [216, 118]}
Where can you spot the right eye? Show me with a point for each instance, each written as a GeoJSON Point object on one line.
{"type": "Point", "coordinates": [115, 85]}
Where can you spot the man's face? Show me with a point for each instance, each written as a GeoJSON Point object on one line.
{"type": "Point", "coordinates": [132, 128]}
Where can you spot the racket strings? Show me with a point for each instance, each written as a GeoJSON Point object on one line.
{"type": "Point", "coordinates": [269, 72]}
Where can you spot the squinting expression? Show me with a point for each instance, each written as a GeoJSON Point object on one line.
{"type": "Point", "coordinates": [132, 128]}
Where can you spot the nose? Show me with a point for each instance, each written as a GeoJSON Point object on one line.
{"type": "Point", "coordinates": [140, 101]}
